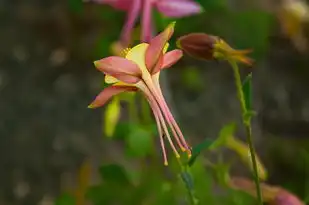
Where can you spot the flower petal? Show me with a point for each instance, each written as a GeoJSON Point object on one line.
{"type": "Point", "coordinates": [178, 8]}
{"type": "Point", "coordinates": [156, 46]}
{"type": "Point", "coordinates": [171, 58]}
{"type": "Point", "coordinates": [110, 79]}
{"type": "Point", "coordinates": [137, 55]}
{"type": "Point", "coordinates": [117, 4]}
{"type": "Point", "coordinates": [133, 12]}
{"type": "Point", "coordinates": [109, 92]}
{"type": "Point", "coordinates": [146, 22]}
{"type": "Point", "coordinates": [120, 68]}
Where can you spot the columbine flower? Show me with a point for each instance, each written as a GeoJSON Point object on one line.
{"type": "Point", "coordinates": [135, 8]}
{"type": "Point", "coordinates": [139, 70]}
{"type": "Point", "coordinates": [208, 47]}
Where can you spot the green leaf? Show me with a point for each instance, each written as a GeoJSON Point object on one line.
{"type": "Point", "coordinates": [227, 131]}
{"type": "Point", "coordinates": [247, 89]}
{"type": "Point", "coordinates": [139, 141]}
{"type": "Point", "coordinates": [65, 199]}
{"type": "Point", "coordinates": [111, 117]}
{"type": "Point", "coordinates": [187, 179]}
{"type": "Point", "coordinates": [196, 150]}
{"type": "Point", "coordinates": [114, 173]}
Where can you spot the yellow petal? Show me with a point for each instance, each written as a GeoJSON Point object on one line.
{"type": "Point", "coordinates": [110, 79]}
{"type": "Point", "coordinates": [137, 55]}
{"type": "Point", "coordinates": [165, 48]}
{"type": "Point", "coordinates": [112, 115]}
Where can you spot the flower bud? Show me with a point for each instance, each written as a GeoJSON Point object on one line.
{"type": "Point", "coordinates": [198, 45]}
{"type": "Point", "coordinates": [209, 47]}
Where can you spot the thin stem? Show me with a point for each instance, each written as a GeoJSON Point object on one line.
{"type": "Point", "coordinates": [191, 196]}
{"type": "Point", "coordinates": [247, 124]}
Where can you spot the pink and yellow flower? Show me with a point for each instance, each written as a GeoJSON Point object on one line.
{"type": "Point", "coordinates": [139, 70]}
{"type": "Point", "coordinates": [135, 8]}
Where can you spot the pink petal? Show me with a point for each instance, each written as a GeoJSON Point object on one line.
{"type": "Point", "coordinates": [178, 8]}
{"type": "Point", "coordinates": [117, 4]}
{"type": "Point", "coordinates": [120, 68]}
{"type": "Point", "coordinates": [156, 45]}
{"type": "Point", "coordinates": [286, 198]}
{"type": "Point", "coordinates": [133, 12]}
{"type": "Point", "coordinates": [146, 21]}
{"type": "Point", "coordinates": [107, 93]}
{"type": "Point", "coordinates": [170, 58]}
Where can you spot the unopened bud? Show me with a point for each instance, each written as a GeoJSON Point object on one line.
{"type": "Point", "coordinates": [198, 45]}
{"type": "Point", "coordinates": [209, 47]}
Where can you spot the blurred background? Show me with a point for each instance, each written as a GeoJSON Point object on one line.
{"type": "Point", "coordinates": [55, 150]}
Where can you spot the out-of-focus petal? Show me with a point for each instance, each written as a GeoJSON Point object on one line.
{"type": "Point", "coordinates": [178, 8]}
{"type": "Point", "coordinates": [146, 21]}
{"type": "Point", "coordinates": [170, 58]}
{"type": "Point", "coordinates": [133, 12]}
{"type": "Point", "coordinates": [117, 4]}
{"type": "Point", "coordinates": [109, 92]}
{"type": "Point", "coordinates": [286, 198]}
{"type": "Point", "coordinates": [120, 68]}
{"type": "Point", "coordinates": [156, 46]}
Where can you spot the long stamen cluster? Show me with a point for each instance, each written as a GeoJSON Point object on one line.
{"type": "Point", "coordinates": [163, 116]}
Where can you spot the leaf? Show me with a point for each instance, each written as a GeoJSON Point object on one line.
{"type": "Point", "coordinates": [196, 150]}
{"type": "Point", "coordinates": [187, 179]}
{"type": "Point", "coordinates": [139, 141]}
{"type": "Point", "coordinates": [111, 117]}
{"type": "Point", "coordinates": [114, 173]}
{"type": "Point", "coordinates": [227, 131]}
{"type": "Point", "coordinates": [65, 199]}
{"type": "Point", "coordinates": [247, 89]}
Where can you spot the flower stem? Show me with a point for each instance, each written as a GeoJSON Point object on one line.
{"type": "Point", "coordinates": [187, 180]}
{"type": "Point", "coordinates": [247, 123]}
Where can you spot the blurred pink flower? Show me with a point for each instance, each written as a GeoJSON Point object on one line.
{"type": "Point", "coordinates": [135, 8]}
{"type": "Point", "coordinates": [272, 195]}
{"type": "Point", "coordinates": [139, 70]}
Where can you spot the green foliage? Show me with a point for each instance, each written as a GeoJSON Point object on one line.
{"type": "Point", "coordinates": [76, 5]}
{"type": "Point", "coordinates": [65, 199]}
{"type": "Point", "coordinates": [115, 174]}
{"type": "Point", "coordinates": [251, 30]}
{"type": "Point", "coordinates": [139, 141]}
{"type": "Point", "coordinates": [227, 131]}
{"type": "Point", "coordinates": [196, 150]}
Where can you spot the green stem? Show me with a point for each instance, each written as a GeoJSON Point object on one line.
{"type": "Point", "coordinates": [191, 196]}
{"type": "Point", "coordinates": [247, 124]}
